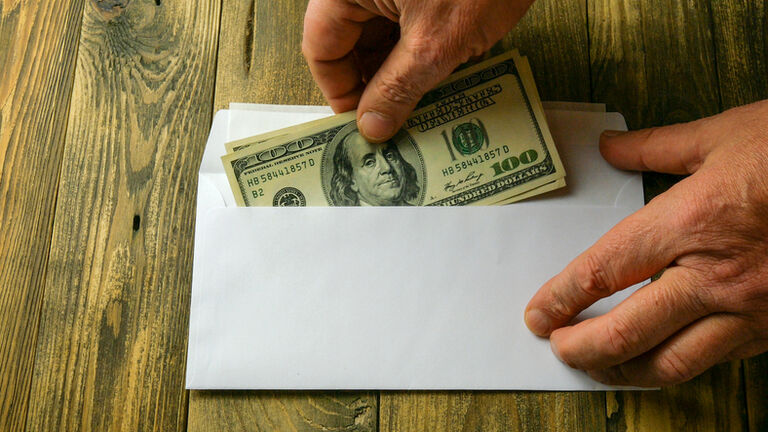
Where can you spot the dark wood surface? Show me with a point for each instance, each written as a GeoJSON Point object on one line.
{"type": "Point", "coordinates": [113, 327]}
{"type": "Point", "coordinates": [38, 47]}
{"type": "Point", "coordinates": [654, 61]}
{"type": "Point", "coordinates": [104, 111]}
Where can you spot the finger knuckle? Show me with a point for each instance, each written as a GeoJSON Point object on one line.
{"type": "Point", "coordinates": [743, 296]}
{"type": "Point", "coordinates": [474, 44]}
{"type": "Point", "coordinates": [398, 89]}
{"type": "Point", "coordinates": [672, 368]}
{"type": "Point", "coordinates": [731, 268]}
{"type": "Point", "coordinates": [683, 292]}
{"type": "Point", "coordinates": [621, 339]}
{"type": "Point", "coordinates": [592, 277]}
{"type": "Point", "coordinates": [722, 283]}
{"type": "Point", "coordinates": [431, 50]}
{"type": "Point", "coordinates": [560, 309]}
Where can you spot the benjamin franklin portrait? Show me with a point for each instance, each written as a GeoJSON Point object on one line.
{"type": "Point", "coordinates": [367, 174]}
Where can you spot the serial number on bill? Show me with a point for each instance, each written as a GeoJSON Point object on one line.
{"type": "Point", "coordinates": [475, 160]}
{"type": "Point", "coordinates": [283, 171]}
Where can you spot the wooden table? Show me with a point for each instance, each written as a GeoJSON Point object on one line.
{"type": "Point", "coordinates": [105, 106]}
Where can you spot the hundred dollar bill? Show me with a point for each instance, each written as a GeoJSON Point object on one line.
{"type": "Point", "coordinates": [480, 137]}
{"type": "Point", "coordinates": [234, 146]}
{"type": "Point", "coordinates": [258, 140]}
{"type": "Point", "coordinates": [527, 76]}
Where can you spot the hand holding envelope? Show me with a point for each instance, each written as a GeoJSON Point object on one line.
{"type": "Point", "coordinates": [709, 235]}
{"type": "Point", "coordinates": [392, 298]}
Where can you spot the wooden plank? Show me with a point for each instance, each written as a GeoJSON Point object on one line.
{"type": "Point", "coordinates": [741, 40]}
{"type": "Point", "coordinates": [217, 411]}
{"type": "Point", "coordinates": [260, 61]}
{"type": "Point", "coordinates": [38, 45]}
{"type": "Point", "coordinates": [553, 35]}
{"type": "Point", "coordinates": [654, 61]}
{"type": "Point", "coordinates": [492, 411]}
{"type": "Point", "coordinates": [260, 58]}
{"type": "Point", "coordinates": [711, 402]}
{"type": "Point", "coordinates": [112, 340]}
{"type": "Point", "coordinates": [756, 378]}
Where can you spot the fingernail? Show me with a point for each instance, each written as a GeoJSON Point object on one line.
{"type": "Point", "coordinates": [610, 133]}
{"type": "Point", "coordinates": [376, 126]}
{"type": "Point", "coordinates": [537, 321]}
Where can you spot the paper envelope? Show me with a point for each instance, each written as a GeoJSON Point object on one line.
{"type": "Point", "coordinates": [391, 298]}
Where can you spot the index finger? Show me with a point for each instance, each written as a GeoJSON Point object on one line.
{"type": "Point", "coordinates": [331, 29]}
{"type": "Point", "coordinates": [632, 251]}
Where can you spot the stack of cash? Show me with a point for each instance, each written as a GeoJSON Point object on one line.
{"type": "Point", "coordinates": [480, 137]}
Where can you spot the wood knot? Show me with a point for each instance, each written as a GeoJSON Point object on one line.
{"type": "Point", "coordinates": [114, 6]}
{"type": "Point", "coordinates": [111, 8]}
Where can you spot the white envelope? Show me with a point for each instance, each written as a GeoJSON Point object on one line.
{"type": "Point", "coordinates": [391, 298]}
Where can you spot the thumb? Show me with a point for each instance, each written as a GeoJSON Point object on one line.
{"type": "Point", "coordinates": [410, 70]}
{"type": "Point", "coordinates": [675, 149]}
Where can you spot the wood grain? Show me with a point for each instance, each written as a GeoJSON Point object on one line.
{"type": "Point", "coordinates": [112, 299]}
{"type": "Point", "coordinates": [260, 61]}
{"type": "Point", "coordinates": [741, 40]}
{"type": "Point", "coordinates": [756, 377]}
{"type": "Point", "coordinates": [38, 47]}
{"type": "Point", "coordinates": [112, 340]}
{"type": "Point", "coordinates": [491, 411]}
{"type": "Point", "coordinates": [553, 35]}
{"type": "Point", "coordinates": [260, 56]}
{"type": "Point", "coordinates": [654, 62]}
{"type": "Point", "coordinates": [282, 411]}
{"type": "Point", "coordinates": [711, 402]}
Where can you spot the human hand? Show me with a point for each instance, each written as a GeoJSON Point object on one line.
{"type": "Point", "coordinates": [355, 56]}
{"type": "Point", "coordinates": [711, 304]}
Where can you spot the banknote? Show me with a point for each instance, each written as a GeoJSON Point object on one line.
{"type": "Point", "coordinates": [234, 146]}
{"type": "Point", "coordinates": [479, 137]}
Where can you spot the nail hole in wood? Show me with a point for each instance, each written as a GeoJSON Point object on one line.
{"type": "Point", "coordinates": [136, 222]}
{"type": "Point", "coordinates": [157, 2]}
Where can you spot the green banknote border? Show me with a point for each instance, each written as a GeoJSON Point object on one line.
{"type": "Point", "coordinates": [241, 165]}
{"type": "Point", "coordinates": [542, 169]}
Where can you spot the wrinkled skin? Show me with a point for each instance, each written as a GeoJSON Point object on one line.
{"type": "Point", "coordinates": [710, 230]}
{"type": "Point", "coordinates": [381, 56]}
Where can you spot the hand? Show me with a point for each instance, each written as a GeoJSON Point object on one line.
{"type": "Point", "coordinates": [381, 56]}
{"type": "Point", "coordinates": [711, 229]}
